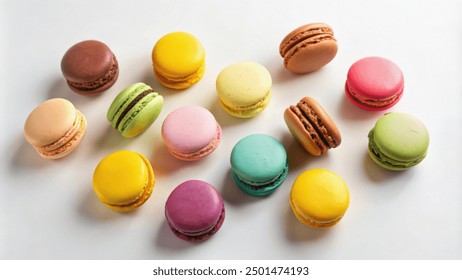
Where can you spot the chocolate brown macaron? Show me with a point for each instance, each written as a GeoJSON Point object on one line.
{"type": "Point", "coordinates": [312, 127]}
{"type": "Point", "coordinates": [89, 67]}
{"type": "Point", "coordinates": [308, 48]}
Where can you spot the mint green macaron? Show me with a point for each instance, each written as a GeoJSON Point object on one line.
{"type": "Point", "coordinates": [259, 164]}
{"type": "Point", "coordinates": [398, 141]}
{"type": "Point", "coordinates": [134, 109]}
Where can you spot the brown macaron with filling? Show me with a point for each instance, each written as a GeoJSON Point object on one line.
{"type": "Point", "coordinates": [308, 48]}
{"type": "Point", "coordinates": [312, 127]}
{"type": "Point", "coordinates": [89, 67]}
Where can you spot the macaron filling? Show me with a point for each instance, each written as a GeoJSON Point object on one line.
{"type": "Point", "coordinates": [382, 158]}
{"type": "Point", "coordinates": [131, 105]}
{"type": "Point", "coordinates": [371, 101]}
{"type": "Point", "coordinates": [314, 126]}
{"type": "Point", "coordinates": [107, 78]}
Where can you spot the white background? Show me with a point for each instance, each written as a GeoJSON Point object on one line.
{"type": "Point", "coordinates": [48, 209]}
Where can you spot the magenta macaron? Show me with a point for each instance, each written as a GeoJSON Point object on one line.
{"type": "Point", "coordinates": [191, 133]}
{"type": "Point", "coordinates": [194, 210]}
{"type": "Point", "coordinates": [374, 83]}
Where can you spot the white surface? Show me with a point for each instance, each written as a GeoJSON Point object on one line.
{"type": "Point", "coordinates": [49, 210]}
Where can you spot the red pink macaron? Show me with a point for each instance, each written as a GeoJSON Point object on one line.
{"type": "Point", "coordinates": [374, 83]}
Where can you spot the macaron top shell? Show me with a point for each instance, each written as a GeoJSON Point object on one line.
{"type": "Point", "coordinates": [87, 61]}
{"type": "Point", "coordinates": [258, 158]}
{"type": "Point", "coordinates": [401, 137]}
{"type": "Point", "coordinates": [121, 178]}
{"type": "Point", "coordinates": [194, 207]}
{"type": "Point", "coordinates": [320, 196]}
{"type": "Point", "coordinates": [188, 129]}
{"type": "Point", "coordinates": [178, 54]}
{"type": "Point", "coordinates": [375, 78]}
{"type": "Point", "coordinates": [49, 121]}
{"type": "Point", "coordinates": [243, 84]}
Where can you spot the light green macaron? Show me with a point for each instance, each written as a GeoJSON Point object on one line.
{"type": "Point", "coordinates": [398, 141]}
{"type": "Point", "coordinates": [134, 109]}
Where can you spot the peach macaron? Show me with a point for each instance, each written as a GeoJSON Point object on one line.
{"type": "Point", "coordinates": [55, 128]}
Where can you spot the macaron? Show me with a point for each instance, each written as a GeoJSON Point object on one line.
{"type": "Point", "coordinates": [194, 210]}
{"type": "Point", "coordinates": [398, 141]}
{"type": "Point", "coordinates": [374, 83]}
{"type": "Point", "coordinates": [134, 109]}
{"type": "Point", "coordinates": [178, 60]}
{"type": "Point", "coordinates": [308, 48]}
{"type": "Point", "coordinates": [259, 164]}
{"type": "Point", "coordinates": [312, 127]}
{"type": "Point", "coordinates": [89, 67]}
{"type": "Point", "coordinates": [319, 198]}
{"type": "Point", "coordinates": [55, 128]}
{"type": "Point", "coordinates": [123, 180]}
{"type": "Point", "coordinates": [244, 89]}
{"type": "Point", "coordinates": [191, 133]}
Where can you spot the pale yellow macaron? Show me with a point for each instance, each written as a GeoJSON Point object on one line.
{"type": "Point", "coordinates": [244, 89]}
{"type": "Point", "coordinates": [319, 198]}
{"type": "Point", "coordinates": [123, 180]}
{"type": "Point", "coordinates": [178, 60]}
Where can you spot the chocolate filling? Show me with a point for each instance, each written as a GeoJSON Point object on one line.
{"type": "Point", "coordinates": [307, 113]}
{"type": "Point", "coordinates": [132, 104]}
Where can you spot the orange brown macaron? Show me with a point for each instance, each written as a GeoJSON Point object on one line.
{"type": "Point", "coordinates": [308, 48]}
{"type": "Point", "coordinates": [55, 128]}
{"type": "Point", "coordinates": [312, 127]}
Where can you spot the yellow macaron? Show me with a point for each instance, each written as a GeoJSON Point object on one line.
{"type": "Point", "coordinates": [319, 198]}
{"type": "Point", "coordinates": [123, 180]}
{"type": "Point", "coordinates": [244, 89]}
{"type": "Point", "coordinates": [178, 60]}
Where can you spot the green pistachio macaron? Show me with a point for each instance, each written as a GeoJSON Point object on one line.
{"type": "Point", "coordinates": [134, 109]}
{"type": "Point", "coordinates": [398, 141]}
{"type": "Point", "coordinates": [259, 164]}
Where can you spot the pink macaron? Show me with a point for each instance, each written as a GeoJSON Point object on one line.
{"type": "Point", "coordinates": [191, 133]}
{"type": "Point", "coordinates": [374, 83]}
{"type": "Point", "coordinates": [194, 210]}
